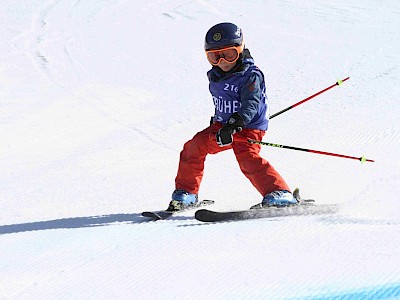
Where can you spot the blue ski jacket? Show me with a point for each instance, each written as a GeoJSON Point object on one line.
{"type": "Point", "coordinates": [240, 90]}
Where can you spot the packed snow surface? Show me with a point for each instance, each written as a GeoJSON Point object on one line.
{"type": "Point", "coordinates": [97, 99]}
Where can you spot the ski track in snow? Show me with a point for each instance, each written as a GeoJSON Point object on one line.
{"type": "Point", "coordinates": [97, 99]}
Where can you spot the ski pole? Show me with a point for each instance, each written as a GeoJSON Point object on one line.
{"type": "Point", "coordinates": [362, 159]}
{"type": "Point", "coordinates": [339, 82]}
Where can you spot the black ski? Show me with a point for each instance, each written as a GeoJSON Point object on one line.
{"type": "Point", "coordinates": [165, 214]}
{"type": "Point", "coordinates": [302, 209]}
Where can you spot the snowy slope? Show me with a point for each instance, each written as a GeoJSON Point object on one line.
{"type": "Point", "coordinates": [98, 97]}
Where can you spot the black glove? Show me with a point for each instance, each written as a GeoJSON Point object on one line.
{"type": "Point", "coordinates": [225, 134]}
{"type": "Point", "coordinates": [211, 120]}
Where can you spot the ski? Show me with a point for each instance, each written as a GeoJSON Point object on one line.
{"type": "Point", "coordinates": [165, 214]}
{"type": "Point", "coordinates": [302, 209]}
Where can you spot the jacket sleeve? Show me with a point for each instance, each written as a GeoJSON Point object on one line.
{"type": "Point", "coordinates": [250, 96]}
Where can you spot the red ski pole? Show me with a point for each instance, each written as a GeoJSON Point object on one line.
{"type": "Point", "coordinates": [362, 159]}
{"type": "Point", "coordinates": [339, 82]}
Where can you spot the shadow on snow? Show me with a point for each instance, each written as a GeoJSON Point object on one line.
{"type": "Point", "coordinates": [136, 218]}
{"type": "Point", "coordinates": [69, 223]}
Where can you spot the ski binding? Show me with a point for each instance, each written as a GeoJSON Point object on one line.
{"type": "Point", "coordinates": [165, 214]}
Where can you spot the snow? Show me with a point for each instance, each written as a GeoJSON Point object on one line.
{"type": "Point", "coordinates": [97, 100]}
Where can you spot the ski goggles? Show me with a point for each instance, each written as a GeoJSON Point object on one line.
{"type": "Point", "coordinates": [229, 54]}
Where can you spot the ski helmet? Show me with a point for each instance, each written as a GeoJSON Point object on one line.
{"type": "Point", "coordinates": [223, 35]}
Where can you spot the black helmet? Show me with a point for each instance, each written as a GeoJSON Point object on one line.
{"type": "Point", "coordinates": [222, 35]}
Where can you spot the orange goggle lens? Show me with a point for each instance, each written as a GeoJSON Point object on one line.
{"type": "Point", "coordinates": [229, 54]}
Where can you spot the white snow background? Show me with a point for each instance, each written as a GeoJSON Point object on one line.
{"type": "Point", "coordinates": [97, 99]}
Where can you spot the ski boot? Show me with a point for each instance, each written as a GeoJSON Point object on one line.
{"type": "Point", "coordinates": [278, 199]}
{"type": "Point", "coordinates": [182, 200]}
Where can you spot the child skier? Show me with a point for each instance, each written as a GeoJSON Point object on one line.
{"type": "Point", "coordinates": [237, 87]}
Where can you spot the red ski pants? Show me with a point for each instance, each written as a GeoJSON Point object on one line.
{"type": "Point", "coordinates": [259, 171]}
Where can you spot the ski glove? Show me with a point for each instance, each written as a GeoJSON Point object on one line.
{"type": "Point", "coordinates": [225, 134]}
